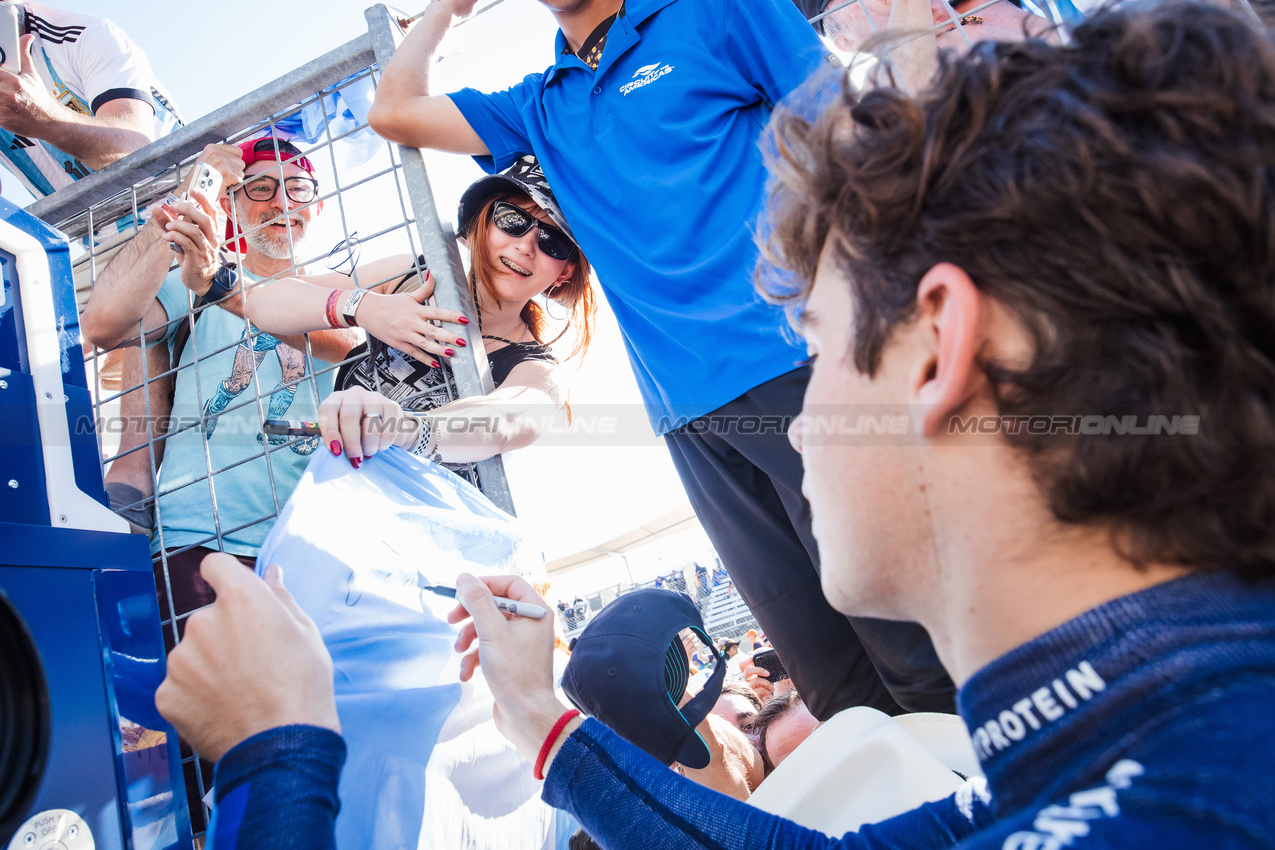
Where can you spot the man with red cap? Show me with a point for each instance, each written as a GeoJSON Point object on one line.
{"type": "Point", "coordinates": [197, 311]}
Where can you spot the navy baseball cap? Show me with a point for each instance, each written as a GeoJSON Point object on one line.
{"type": "Point", "coordinates": [629, 670]}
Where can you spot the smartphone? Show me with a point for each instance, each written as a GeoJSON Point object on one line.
{"type": "Point", "coordinates": [289, 428]}
{"type": "Point", "coordinates": [768, 660]}
{"type": "Point", "coordinates": [10, 47]}
{"type": "Point", "coordinates": [206, 183]}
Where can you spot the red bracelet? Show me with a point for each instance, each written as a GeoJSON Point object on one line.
{"type": "Point", "coordinates": [330, 313]}
{"type": "Point", "coordinates": [567, 717]}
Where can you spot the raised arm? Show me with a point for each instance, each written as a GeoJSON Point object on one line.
{"type": "Point", "coordinates": [360, 422]}
{"type": "Point", "coordinates": [403, 321]}
{"type": "Point", "coordinates": [118, 128]}
{"type": "Point", "coordinates": [330, 346]}
{"type": "Point", "coordinates": [124, 293]}
{"type": "Point", "coordinates": [404, 110]}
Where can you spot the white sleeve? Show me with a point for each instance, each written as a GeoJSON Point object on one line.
{"type": "Point", "coordinates": [109, 65]}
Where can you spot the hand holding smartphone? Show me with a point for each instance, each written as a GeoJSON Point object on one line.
{"type": "Point", "coordinates": [205, 183]}
{"type": "Point", "coordinates": [768, 660]}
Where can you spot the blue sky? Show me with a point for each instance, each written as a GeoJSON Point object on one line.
{"type": "Point", "coordinates": [209, 53]}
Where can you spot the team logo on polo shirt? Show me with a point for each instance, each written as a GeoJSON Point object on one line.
{"type": "Point", "coordinates": [644, 76]}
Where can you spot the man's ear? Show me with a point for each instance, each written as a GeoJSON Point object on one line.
{"type": "Point", "coordinates": [948, 305]}
{"type": "Point", "coordinates": [225, 202]}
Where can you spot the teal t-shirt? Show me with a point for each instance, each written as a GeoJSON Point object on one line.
{"type": "Point", "coordinates": [244, 377]}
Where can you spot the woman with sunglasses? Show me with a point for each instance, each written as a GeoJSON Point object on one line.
{"type": "Point", "coordinates": [398, 386]}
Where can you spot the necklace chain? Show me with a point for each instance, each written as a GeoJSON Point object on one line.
{"type": "Point", "coordinates": [473, 289]}
{"type": "Point", "coordinates": [521, 336]}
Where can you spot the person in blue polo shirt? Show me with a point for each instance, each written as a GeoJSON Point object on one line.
{"type": "Point", "coordinates": [647, 125]}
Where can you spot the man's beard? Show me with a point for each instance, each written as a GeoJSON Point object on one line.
{"type": "Point", "coordinates": [272, 244]}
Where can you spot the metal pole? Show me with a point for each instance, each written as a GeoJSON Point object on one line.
{"type": "Point", "coordinates": [451, 292]}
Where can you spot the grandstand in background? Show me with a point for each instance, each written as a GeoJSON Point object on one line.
{"type": "Point", "coordinates": [723, 609]}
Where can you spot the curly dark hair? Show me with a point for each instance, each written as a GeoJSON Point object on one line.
{"type": "Point", "coordinates": [1117, 194]}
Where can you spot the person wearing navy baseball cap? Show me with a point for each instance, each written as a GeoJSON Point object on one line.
{"type": "Point", "coordinates": [630, 671]}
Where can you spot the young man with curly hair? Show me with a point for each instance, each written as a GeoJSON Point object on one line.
{"type": "Point", "coordinates": [1058, 264]}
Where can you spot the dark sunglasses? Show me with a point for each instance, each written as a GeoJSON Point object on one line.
{"type": "Point", "coordinates": [516, 222]}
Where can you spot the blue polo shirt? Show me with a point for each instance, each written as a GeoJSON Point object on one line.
{"type": "Point", "coordinates": [655, 160]}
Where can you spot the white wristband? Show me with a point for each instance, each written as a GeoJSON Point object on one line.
{"type": "Point", "coordinates": [351, 305]}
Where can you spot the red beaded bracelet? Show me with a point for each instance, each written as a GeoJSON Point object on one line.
{"type": "Point", "coordinates": [566, 718]}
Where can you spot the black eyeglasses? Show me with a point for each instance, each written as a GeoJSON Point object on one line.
{"type": "Point", "coordinates": [301, 190]}
{"type": "Point", "coordinates": [516, 221]}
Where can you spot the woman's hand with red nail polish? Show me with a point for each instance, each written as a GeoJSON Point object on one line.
{"type": "Point", "coordinates": [363, 423]}
{"type": "Point", "coordinates": [404, 320]}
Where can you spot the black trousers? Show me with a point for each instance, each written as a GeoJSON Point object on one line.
{"type": "Point", "coordinates": [744, 481]}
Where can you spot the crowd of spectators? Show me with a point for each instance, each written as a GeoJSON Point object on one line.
{"type": "Point", "coordinates": [573, 615]}
{"type": "Point", "coordinates": [675, 581]}
{"type": "Point", "coordinates": [217, 319]}
{"type": "Point", "coordinates": [989, 232]}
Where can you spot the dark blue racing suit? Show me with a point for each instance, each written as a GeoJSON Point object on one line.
{"type": "Point", "coordinates": [1147, 722]}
